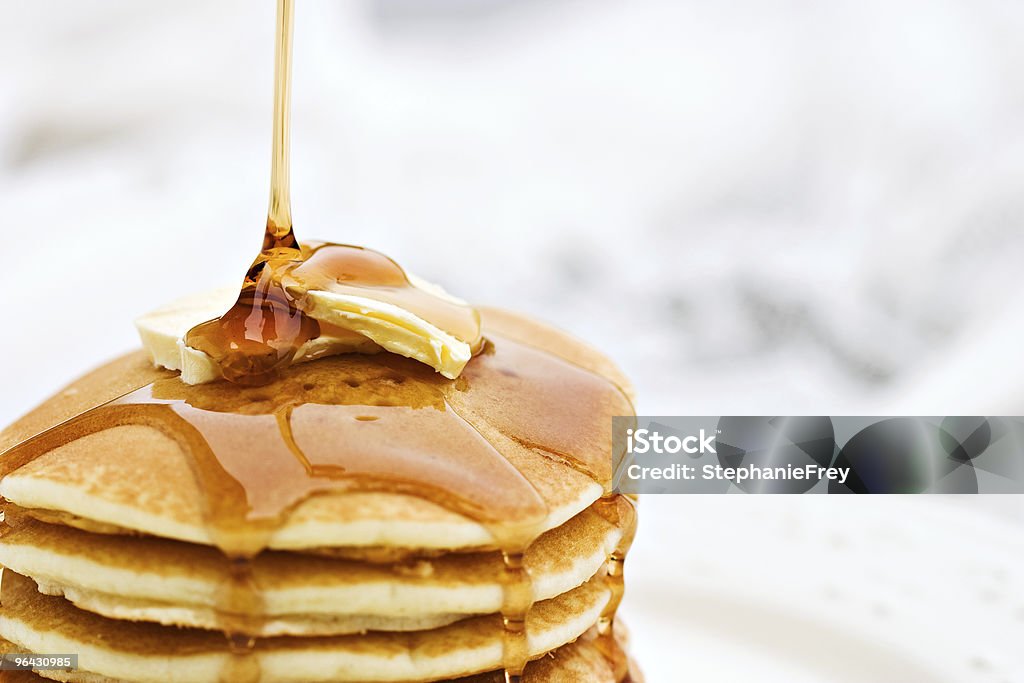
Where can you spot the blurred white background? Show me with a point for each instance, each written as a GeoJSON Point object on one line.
{"type": "Point", "coordinates": [755, 207]}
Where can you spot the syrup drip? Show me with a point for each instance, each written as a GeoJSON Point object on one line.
{"type": "Point", "coordinates": [619, 510]}
{"type": "Point", "coordinates": [5, 520]}
{"type": "Point", "coordinates": [260, 334]}
{"type": "Point", "coordinates": [263, 331]}
{"type": "Point", "coordinates": [516, 604]}
{"type": "Point", "coordinates": [240, 602]}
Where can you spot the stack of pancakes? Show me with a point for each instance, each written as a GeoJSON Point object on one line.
{"type": "Point", "coordinates": [113, 549]}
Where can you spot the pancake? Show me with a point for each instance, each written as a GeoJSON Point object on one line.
{"type": "Point", "coordinates": [153, 653]}
{"type": "Point", "coordinates": [358, 519]}
{"type": "Point", "coordinates": [170, 582]}
{"type": "Point", "coordinates": [136, 477]}
{"type": "Point", "coordinates": [572, 663]}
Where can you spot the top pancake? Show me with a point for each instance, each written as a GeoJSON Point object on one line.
{"type": "Point", "coordinates": [541, 400]}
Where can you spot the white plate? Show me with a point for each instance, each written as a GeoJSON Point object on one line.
{"type": "Point", "coordinates": [801, 589]}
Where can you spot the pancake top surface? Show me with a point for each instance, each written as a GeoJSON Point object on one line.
{"type": "Point", "coordinates": [351, 450]}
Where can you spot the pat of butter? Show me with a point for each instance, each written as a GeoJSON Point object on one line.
{"type": "Point", "coordinates": [349, 324]}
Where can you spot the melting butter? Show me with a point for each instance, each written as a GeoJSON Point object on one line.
{"type": "Point", "coordinates": [349, 300]}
